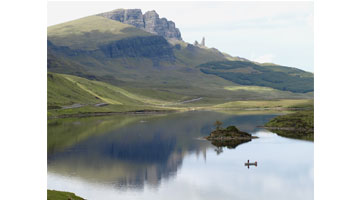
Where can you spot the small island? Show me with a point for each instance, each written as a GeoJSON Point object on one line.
{"type": "Point", "coordinates": [230, 137]}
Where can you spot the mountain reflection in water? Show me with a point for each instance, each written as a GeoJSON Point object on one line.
{"type": "Point", "coordinates": [127, 153]}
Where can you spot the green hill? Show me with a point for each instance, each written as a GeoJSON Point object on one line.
{"type": "Point", "coordinates": [70, 95]}
{"type": "Point", "coordinates": [89, 32]}
{"type": "Point", "coordinates": [103, 49]}
{"type": "Point", "coordinates": [250, 73]}
{"type": "Point", "coordinates": [61, 91]}
{"type": "Point", "coordinates": [68, 89]}
{"type": "Point", "coordinates": [64, 90]}
{"type": "Point", "coordinates": [98, 60]}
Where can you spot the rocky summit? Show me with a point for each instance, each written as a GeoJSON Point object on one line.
{"type": "Point", "coordinates": [150, 22]}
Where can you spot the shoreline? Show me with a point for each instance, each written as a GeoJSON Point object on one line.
{"type": "Point", "coordinates": [151, 112]}
{"type": "Point", "coordinates": [285, 128]}
{"type": "Point", "coordinates": [97, 114]}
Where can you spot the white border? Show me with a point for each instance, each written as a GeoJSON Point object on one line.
{"type": "Point", "coordinates": [23, 99]}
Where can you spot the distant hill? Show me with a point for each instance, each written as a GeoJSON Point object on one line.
{"type": "Point", "coordinates": [267, 75]}
{"type": "Point", "coordinates": [89, 32]}
{"type": "Point", "coordinates": [98, 48]}
{"type": "Point", "coordinates": [104, 50]}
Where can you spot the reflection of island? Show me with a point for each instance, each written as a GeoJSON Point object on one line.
{"type": "Point", "coordinates": [124, 152]}
{"type": "Point", "coordinates": [231, 144]}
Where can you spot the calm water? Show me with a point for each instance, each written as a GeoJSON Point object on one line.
{"type": "Point", "coordinates": [162, 157]}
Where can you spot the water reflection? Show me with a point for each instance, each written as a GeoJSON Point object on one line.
{"type": "Point", "coordinates": [126, 152]}
{"type": "Point", "coordinates": [230, 144]}
{"type": "Point", "coordinates": [122, 156]}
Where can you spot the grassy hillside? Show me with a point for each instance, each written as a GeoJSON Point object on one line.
{"type": "Point", "coordinates": [283, 103]}
{"type": "Point", "coordinates": [89, 32]}
{"type": "Point", "coordinates": [99, 60]}
{"type": "Point", "coordinates": [69, 95]}
{"type": "Point", "coordinates": [101, 49]}
{"type": "Point", "coordinates": [61, 91]}
{"type": "Point", "coordinates": [106, 50]}
{"type": "Point", "coordinates": [66, 89]}
{"type": "Point", "coordinates": [250, 73]}
{"type": "Point", "coordinates": [192, 55]}
{"type": "Point", "coordinates": [83, 94]}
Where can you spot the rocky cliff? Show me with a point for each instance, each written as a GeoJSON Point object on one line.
{"type": "Point", "coordinates": [150, 22]}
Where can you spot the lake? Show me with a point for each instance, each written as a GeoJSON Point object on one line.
{"type": "Point", "coordinates": [163, 157]}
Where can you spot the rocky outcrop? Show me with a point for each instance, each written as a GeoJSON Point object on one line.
{"type": "Point", "coordinates": [153, 47]}
{"type": "Point", "coordinates": [203, 41]}
{"type": "Point", "coordinates": [128, 16]}
{"type": "Point", "coordinates": [150, 22]}
{"type": "Point", "coordinates": [230, 137]}
{"type": "Point", "coordinates": [202, 44]}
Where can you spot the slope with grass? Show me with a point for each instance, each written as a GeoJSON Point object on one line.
{"type": "Point", "coordinates": [106, 50]}
{"type": "Point", "coordinates": [284, 104]}
{"type": "Point", "coordinates": [89, 32]}
{"type": "Point", "coordinates": [61, 92]}
{"type": "Point", "coordinates": [98, 60]}
{"type": "Point", "coordinates": [102, 49]}
{"type": "Point", "coordinates": [268, 75]}
{"type": "Point", "coordinates": [66, 90]}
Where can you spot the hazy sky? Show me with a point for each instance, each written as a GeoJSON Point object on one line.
{"type": "Point", "coordinates": [278, 32]}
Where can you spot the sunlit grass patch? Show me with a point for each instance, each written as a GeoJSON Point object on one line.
{"type": "Point", "coordinates": [283, 103]}
{"type": "Point", "coordinates": [248, 88]}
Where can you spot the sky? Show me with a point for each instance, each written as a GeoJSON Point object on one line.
{"type": "Point", "coordinates": [279, 32]}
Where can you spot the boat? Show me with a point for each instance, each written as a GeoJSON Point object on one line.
{"type": "Point", "coordinates": [248, 163]}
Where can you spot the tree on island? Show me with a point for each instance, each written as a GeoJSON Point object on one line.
{"type": "Point", "coordinates": [218, 124]}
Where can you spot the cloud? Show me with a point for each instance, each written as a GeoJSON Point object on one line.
{"type": "Point", "coordinates": [267, 58]}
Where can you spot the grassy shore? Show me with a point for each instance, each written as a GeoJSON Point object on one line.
{"type": "Point", "coordinates": [92, 110]}
{"type": "Point", "coordinates": [268, 104]}
{"type": "Point", "coordinates": [298, 125]}
{"type": "Point", "coordinates": [59, 195]}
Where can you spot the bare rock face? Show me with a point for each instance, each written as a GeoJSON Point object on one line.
{"type": "Point", "coordinates": [160, 26]}
{"type": "Point", "coordinates": [202, 44]}
{"type": "Point", "coordinates": [134, 17]}
{"type": "Point", "coordinates": [149, 22]}
{"type": "Point", "coordinates": [203, 41]}
{"type": "Point", "coordinates": [128, 16]}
